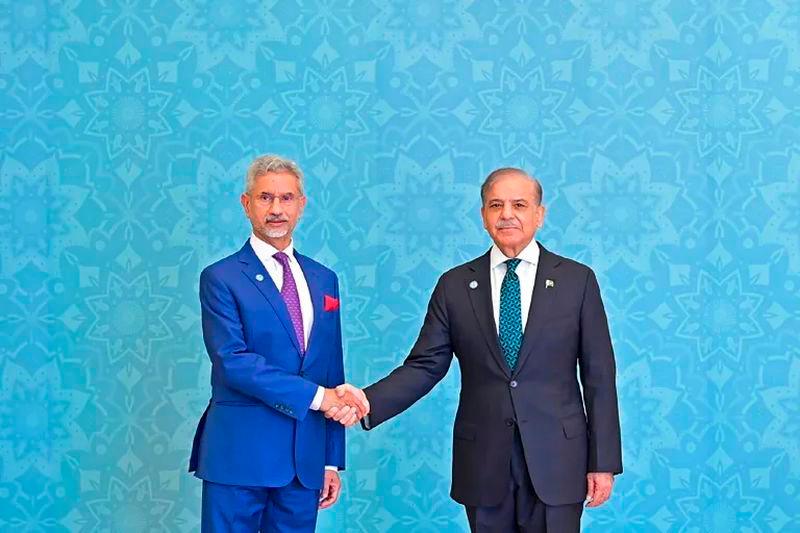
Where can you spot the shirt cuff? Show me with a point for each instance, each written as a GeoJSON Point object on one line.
{"type": "Point", "coordinates": [316, 403]}
{"type": "Point", "coordinates": [330, 467]}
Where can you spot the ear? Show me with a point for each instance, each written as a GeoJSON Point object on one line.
{"type": "Point", "coordinates": [245, 199]}
{"type": "Point", "coordinates": [483, 218]}
{"type": "Point", "coordinates": [303, 201]}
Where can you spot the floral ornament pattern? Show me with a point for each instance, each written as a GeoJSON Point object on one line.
{"type": "Point", "coordinates": [38, 416]}
{"type": "Point", "coordinates": [38, 209]}
{"type": "Point", "coordinates": [621, 29]}
{"type": "Point", "coordinates": [622, 196]}
{"type": "Point", "coordinates": [408, 206]}
{"type": "Point", "coordinates": [326, 112]}
{"type": "Point", "coordinates": [36, 31]}
{"type": "Point", "coordinates": [429, 29]}
{"type": "Point", "coordinates": [720, 315]}
{"type": "Point", "coordinates": [664, 134]}
{"type": "Point", "coordinates": [227, 30]}
{"type": "Point", "coordinates": [522, 111]}
{"type": "Point", "coordinates": [719, 111]}
{"type": "Point", "coordinates": [128, 317]}
{"type": "Point", "coordinates": [128, 114]}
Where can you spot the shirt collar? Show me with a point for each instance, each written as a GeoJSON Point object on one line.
{"type": "Point", "coordinates": [529, 254]}
{"type": "Point", "coordinates": [264, 251]}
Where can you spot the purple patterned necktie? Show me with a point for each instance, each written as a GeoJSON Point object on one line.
{"type": "Point", "coordinates": [292, 299]}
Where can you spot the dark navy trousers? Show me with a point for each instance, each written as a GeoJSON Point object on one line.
{"type": "Point", "coordinates": [521, 510]}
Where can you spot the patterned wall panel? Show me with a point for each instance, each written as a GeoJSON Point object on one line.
{"type": "Point", "coordinates": [667, 137]}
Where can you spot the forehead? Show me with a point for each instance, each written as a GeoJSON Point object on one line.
{"type": "Point", "coordinates": [511, 185]}
{"type": "Point", "coordinates": [276, 182]}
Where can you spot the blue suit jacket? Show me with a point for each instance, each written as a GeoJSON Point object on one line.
{"type": "Point", "coordinates": [258, 429]}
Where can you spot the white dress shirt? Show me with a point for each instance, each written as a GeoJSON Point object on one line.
{"type": "Point", "coordinates": [526, 271]}
{"type": "Point", "coordinates": [265, 252]}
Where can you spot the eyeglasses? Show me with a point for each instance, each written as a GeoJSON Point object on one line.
{"type": "Point", "coordinates": [285, 199]}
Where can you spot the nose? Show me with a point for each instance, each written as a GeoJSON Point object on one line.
{"type": "Point", "coordinates": [275, 207]}
{"type": "Point", "coordinates": [507, 212]}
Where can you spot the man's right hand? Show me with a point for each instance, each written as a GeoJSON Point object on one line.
{"type": "Point", "coordinates": [345, 404]}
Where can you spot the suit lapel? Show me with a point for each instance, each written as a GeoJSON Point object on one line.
{"type": "Point", "coordinates": [254, 270]}
{"type": "Point", "coordinates": [541, 302]}
{"type": "Point", "coordinates": [311, 274]}
{"type": "Point", "coordinates": [481, 299]}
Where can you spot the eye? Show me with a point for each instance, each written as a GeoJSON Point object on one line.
{"type": "Point", "coordinates": [520, 205]}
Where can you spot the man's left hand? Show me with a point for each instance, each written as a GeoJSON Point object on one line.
{"type": "Point", "coordinates": [599, 488]}
{"type": "Point", "coordinates": [331, 488]}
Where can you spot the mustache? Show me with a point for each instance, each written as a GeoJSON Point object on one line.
{"type": "Point", "coordinates": [276, 218]}
{"type": "Point", "coordinates": [504, 224]}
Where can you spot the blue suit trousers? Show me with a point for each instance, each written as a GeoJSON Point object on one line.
{"type": "Point", "coordinates": [240, 509]}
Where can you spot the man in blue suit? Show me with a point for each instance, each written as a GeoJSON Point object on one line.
{"type": "Point", "coordinates": [267, 455]}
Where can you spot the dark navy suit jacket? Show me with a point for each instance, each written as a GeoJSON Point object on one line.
{"type": "Point", "coordinates": [258, 429]}
{"type": "Point", "coordinates": [565, 434]}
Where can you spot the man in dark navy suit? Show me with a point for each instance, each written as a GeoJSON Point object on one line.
{"type": "Point", "coordinates": [267, 456]}
{"type": "Point", "coordinates": [537, 429]}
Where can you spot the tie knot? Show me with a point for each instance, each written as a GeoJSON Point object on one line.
{"type": "Point", "coordinates": [282, 258]}
{"type": "Point", "coordinates": [512, 264]}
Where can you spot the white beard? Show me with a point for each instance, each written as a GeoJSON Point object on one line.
{"type": "Point", "coordinates": [276, 233]}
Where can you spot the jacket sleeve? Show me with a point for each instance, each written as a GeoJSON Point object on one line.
{"type": "Point", "coordinates": [239, 368]}
{"type": "Point", "coordinates": [598, 379]}
{"type": "Point", "coordinates": [424, 367]}
{"type": "Point", "coordinates": [334, 432]}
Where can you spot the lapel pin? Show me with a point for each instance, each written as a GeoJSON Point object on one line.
{"type": "Point", "coordinates": [259, 277]}
{"type": "Point", "coordinates": [549, 284]}
{"type": "Point", "coordinates": [473, 284]}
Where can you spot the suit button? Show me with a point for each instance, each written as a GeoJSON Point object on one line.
{"type": "Point", "coordinates": [509, 422]}
{"type": "Point", "coordinates": [513, 384]}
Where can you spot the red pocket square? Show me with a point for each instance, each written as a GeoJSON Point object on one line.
{"type": "Point", "coordinates": [331, 303]}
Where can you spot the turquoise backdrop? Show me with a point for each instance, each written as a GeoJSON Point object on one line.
{"type": "Point", "coordinates": [667, 137]}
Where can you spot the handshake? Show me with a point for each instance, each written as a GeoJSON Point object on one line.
{"type": "Point", "coordinates": [345, 404]}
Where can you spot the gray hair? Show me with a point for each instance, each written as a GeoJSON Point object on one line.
{"type": "Point", "coordinates": [495, 175]}
{"type": "Point", "coordinates": [273, 163]}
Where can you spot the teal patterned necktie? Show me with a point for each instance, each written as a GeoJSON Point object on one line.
{"type": "Point", "coordinates": [510, 314]}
